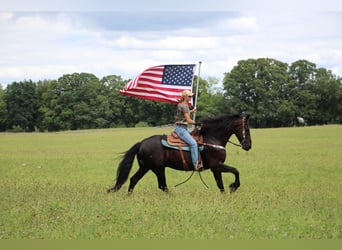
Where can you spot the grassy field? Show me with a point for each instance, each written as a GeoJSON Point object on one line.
{"type": "Point", "coordinates": [53, 186]}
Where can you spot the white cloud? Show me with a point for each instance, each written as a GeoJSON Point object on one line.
{"type": "Point", "coordinates": [165, 43]}
{"type": "Point", "coordinates": [5, 16]}
{"type": "Point", "coordinates": [46, 45]}
{"type": "Point", "coordinates": [178, 5]}
{"type": "Point", "coordinates": [241, 24]}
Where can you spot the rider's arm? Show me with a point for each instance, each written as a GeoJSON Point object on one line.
{"type": "Point", "coordinates": [188, 119]}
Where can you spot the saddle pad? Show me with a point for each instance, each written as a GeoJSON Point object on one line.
{"type": "Point", "coordinates": [184, 148]}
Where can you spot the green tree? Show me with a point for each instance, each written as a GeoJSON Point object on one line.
{"type": "Point", "coordinates": [3, 110]}
{"type": "Point", "coordinates": [328, 92]}
{"type": "Point", "coordinates": [303, 79]}
{"type": "Point", "coordinates": [122, 109]}
{"type": "Point", "coordinates": [72, 102]}
{"type": "Point", "coordinates": [79, 99]}
{"type": "Point", "coordinates": [51, 107]}
{"type": "Point", "coordinates": [210, 98]}
{"type": "Point", "coordinates": [276, 93]}
{"type": "Point", "coordinates": [22, 102]}
{"type": "Point", "coordinates": [257, 86]}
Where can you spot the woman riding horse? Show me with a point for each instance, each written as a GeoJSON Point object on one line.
{"type": "Point", "coordinates": [152, 155]}
{"type": "Point", "coordinates": [182, 120]}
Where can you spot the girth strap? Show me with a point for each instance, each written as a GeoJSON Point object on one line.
{"type": "Point", "coordinates": [182, 157]}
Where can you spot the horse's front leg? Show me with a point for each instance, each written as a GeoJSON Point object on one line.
{"type": "Point", "coordinates": [229, 169]}
{"type": "Point", "coordinates": [218, 179]}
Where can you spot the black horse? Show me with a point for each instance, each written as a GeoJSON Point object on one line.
{"type": "Point", "coordinates": [152, 155]}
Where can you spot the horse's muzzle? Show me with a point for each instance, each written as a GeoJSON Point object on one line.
{"type": "Point", "coordinates": [246, 145]}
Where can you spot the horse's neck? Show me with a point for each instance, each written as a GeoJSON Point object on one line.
{"type": "Point", "coordinates": [221, 140]}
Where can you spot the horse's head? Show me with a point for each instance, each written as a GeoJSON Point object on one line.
{"type": "Point", "coordinates": [241, 130]}
{"type": "Point", "coordinates": [222, 127]}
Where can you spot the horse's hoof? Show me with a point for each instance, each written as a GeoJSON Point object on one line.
{"type": "Point", "coordinates": [112, 190]}
{"type": "Point", "coordinates": [233, 188]}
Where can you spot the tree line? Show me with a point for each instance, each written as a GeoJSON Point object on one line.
{"type": "Point", "coordinates": [272, 92]}
{"type": "Point", "coordinates": [276, 93]}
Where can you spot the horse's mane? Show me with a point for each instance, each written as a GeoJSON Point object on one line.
{"type": "Point", "coordinates": [211, 122]}
{"type": "Point", "coordinates": [219, 119]}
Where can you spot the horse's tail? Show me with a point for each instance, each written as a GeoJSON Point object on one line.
{"type": "Point", "coordinates": [125, 167]}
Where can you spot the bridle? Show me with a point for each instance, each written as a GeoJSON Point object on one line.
{"type": "Point", "coordinates": [243, 128]}
{"type": "Point", "coordinates": [243, 121]}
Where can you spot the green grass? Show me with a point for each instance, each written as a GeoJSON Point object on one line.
{"type": "Point", "coordinates": [53, 186]}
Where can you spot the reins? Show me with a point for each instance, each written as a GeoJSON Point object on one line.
{"type": "Point", "coordinates": [199, 173]}
{"type": "Point", "coordinates": [235, 144]}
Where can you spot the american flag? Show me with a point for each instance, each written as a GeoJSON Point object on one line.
{"type": "Point", "coordinates": [162, 83]}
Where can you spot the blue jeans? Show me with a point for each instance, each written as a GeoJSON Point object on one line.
{"type": "Point", "coordinates": [183, 132]}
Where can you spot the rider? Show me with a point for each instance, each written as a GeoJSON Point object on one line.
{"type": "Point", "coordinates": [182, 121]}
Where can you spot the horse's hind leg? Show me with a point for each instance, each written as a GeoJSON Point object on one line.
{"type": "Point", "coordinates": [136, 177]}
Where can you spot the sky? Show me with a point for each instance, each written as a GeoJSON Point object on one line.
{"type": "Point", "coordinates": [46, 39]}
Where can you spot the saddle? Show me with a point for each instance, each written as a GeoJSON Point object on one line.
{"type": "Point", "coordinates": [174, 140]}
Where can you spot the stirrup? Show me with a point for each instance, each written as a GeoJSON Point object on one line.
{"type": "Point", "coordinates": [199, 167]}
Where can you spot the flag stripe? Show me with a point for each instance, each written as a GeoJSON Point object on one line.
{"type": "Point", "coordinates": [148, 91]}
{"type": "Point", "coordinates": [152, 94]}
{"type": "Point", "coordinates": [153, 97]}
{"type": "Point", "coordinates": [161, 87]}
{"type": "Point", "coordinates": [161, 83]}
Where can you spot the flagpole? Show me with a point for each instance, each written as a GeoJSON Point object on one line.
{"type": "Point", "coordinates": [196, 94]}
